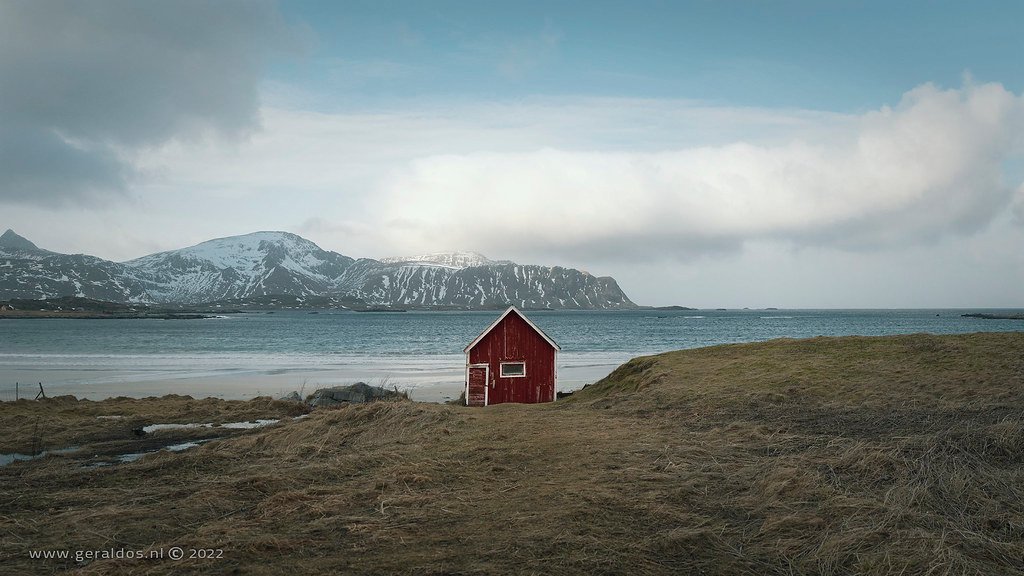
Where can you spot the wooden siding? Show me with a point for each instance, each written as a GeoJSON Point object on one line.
{"type": "Point", "coordinates": [477, 388]}
{"type": "Point", "coordinates": [514, 340]}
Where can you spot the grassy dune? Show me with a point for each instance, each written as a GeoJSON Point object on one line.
{"type": "Point", "coordinates": [825, 456]}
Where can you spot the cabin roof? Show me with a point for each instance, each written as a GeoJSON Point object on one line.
{"type": "Point", "coordinates": [502, 317]}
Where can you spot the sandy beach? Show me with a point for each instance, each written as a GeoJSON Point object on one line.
{"type": "Point", "coordinates": [426, 379]}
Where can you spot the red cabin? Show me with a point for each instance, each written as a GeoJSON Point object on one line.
{"type": "Point", "coordinates": [511, 361]}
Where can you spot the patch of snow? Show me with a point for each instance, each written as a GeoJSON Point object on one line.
{"type": "Point", "coordinates": [158, 427]}
{"type": "Point", "coordinates": [453, 260]}
{"type": "Point", "coordinates": [249, 425]}
{"type": "Point", "coordinates": [182, 446]}
{"type": "Point", "coordinates": [6, 459]}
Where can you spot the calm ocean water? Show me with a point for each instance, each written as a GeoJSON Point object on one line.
{"type": "Point", "coordinates": [248, 354]}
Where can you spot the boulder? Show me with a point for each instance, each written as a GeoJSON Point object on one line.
{"type": "Point", "coordinates": [356, 393]}
{"type": "Point", "coordinates": [293, 396]}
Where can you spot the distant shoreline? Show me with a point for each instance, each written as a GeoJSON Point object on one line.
{"type": "Point", "coordinates": [994, 316]}
{"type": "Point", "coordinates": [64, 314]}
{"type": "Point", "coordinates": [77, 308]}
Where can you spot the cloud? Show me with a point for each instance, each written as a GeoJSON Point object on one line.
{"type": "Point", "coordinates": [333, 165]}
{"type": "Point", "coordinates": [86, 84]}
{"type": "Point", "coordinates": [1018, 206]}
{"type": "Point", "coordinates": [38, 166]}
{"type": "Point", "coordinates": [929, 167]}
{"type": "Point", "coordinates": [353, 152]}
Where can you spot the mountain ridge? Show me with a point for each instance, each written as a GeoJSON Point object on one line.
{"type": "Point", "coordinates": [459, 259]}
{"type": "Point", "coordinates": [269, 263]}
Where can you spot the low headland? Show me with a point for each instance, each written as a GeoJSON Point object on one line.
{"type": "Point", "coordinates": [851, 455]}
{"type": "Point", "coordinates": [994, 316]}
{"type": "Point", "coordinates": [87, 308]}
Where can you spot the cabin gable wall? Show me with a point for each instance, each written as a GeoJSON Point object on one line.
{"type": "Point", "coordinates": [514, 340]}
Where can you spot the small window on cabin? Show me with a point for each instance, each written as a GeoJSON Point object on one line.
{"type": "Point", "coordinates": [513, 369]}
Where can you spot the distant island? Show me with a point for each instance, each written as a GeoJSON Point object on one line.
{"type": "Point", "coordinates": [89, 309]}
{"type": "Point", "coordinates": [994, 316]}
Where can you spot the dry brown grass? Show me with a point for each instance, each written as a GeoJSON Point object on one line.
{"type": "Point", "coordinates": [58, 422]}
{"type": "Point", "coordinates": [823, 456]}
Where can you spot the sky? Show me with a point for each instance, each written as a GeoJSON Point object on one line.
{"type": "Point", "coordinates": [793, 154]}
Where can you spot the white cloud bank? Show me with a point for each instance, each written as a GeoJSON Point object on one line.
{"type": "Point", "coordinates": [918, 205]}
{"type": "Point", "coordinates": [931, 166]}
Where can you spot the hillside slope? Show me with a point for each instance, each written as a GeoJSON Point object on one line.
{"type": "Point", "coordinates": [825, 456]}
{"type": "Point", "coordinates": [482, 285]}
{"type": "Point", "coordinates": [257, 264]}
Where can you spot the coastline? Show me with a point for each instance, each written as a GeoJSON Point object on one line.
{"type": "Point", "coordinates": [426, 379]}
{"type": "Point", "coordinates": [65, 315]}
{"type": "Point", "coordinates": [241, 356]}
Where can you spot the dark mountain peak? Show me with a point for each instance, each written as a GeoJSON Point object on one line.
{"type": "Point", "coordinates": [10, 239]}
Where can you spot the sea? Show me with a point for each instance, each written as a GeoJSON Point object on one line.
{"type": "Point", "coordinates": [273, 353]}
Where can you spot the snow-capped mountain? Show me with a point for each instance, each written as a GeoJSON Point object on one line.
{"type": "Point", "coordinates": [491, 285]}
{"type": "Point", "coordinates": [27, 271]}
{"type": "Point", "coordinates": [471, 280]}
{"type": "Point", "coordinates": [280, 263]}
{"type": "Point", "coordinates": [256, 264]}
